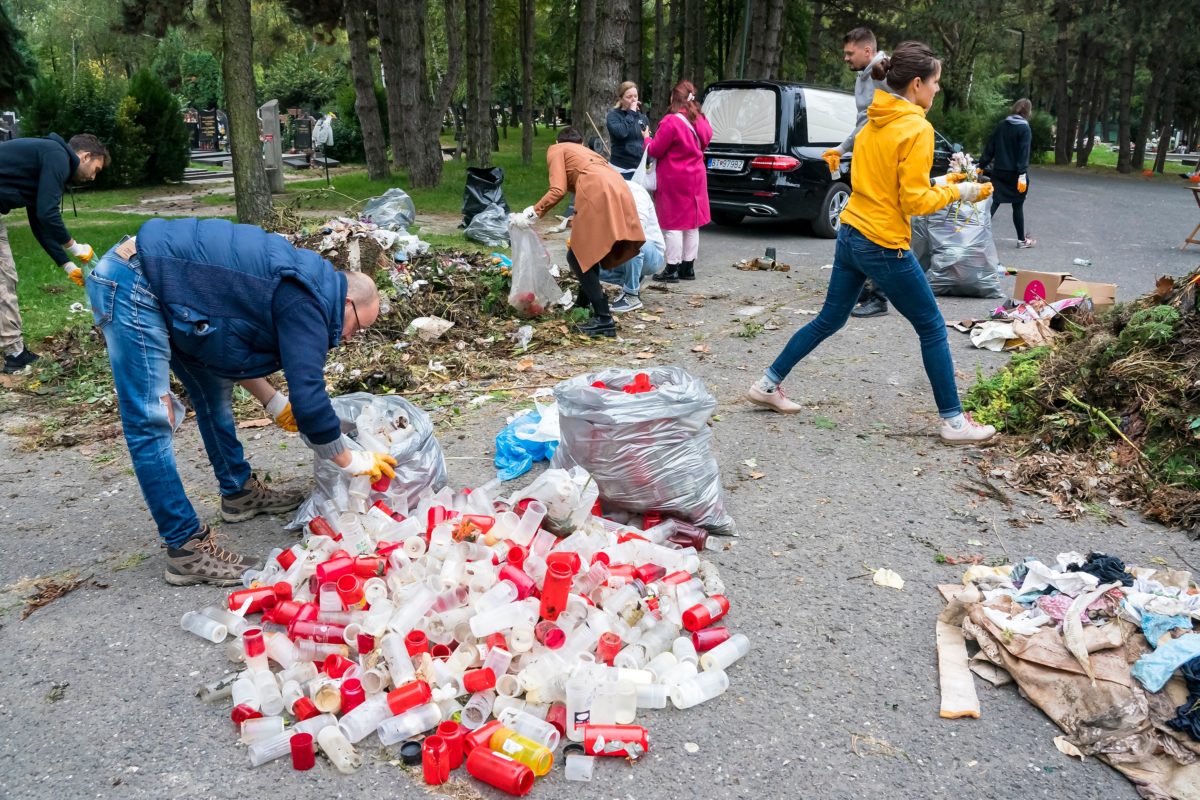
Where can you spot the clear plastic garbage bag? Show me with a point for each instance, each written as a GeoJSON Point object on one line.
{"type": "Point", "coordinates": [489, 227]}
{"type": "Point", "coordinates": [956, 249]}
{"type": "Point", "coordinates": [392, 425]}
{"type": "Point", "coordinates": [647, 451]}
{"type": "Point", "coordinates": [393, 210]}
{"type": "Point", "coordinates": [533, 287]}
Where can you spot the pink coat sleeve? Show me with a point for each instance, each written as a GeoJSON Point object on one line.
{"type": "Point", "coordinates": [704, 131]}
{"type": "Point", "coordinates": [668, 129]}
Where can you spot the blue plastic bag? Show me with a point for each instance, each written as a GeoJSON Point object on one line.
{"type": "Point", "coordinates": [515, 455]}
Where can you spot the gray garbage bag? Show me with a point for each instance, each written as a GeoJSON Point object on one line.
{"type": "Point", "coordinates": [648, 451]}
{"type": "Point", "coordinates": [393, 210]}
{"type": "Point", "coordinates": [420, 464]}
{"type": "Point", "coordinates": [957, 250]}
{"type": "Point", "coordinates": [489, 227]}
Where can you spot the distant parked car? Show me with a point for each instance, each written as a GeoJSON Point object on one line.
{"type": "Point", "coordinates": [765, 157]}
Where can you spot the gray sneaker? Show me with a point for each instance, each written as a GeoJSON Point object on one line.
{"type": "Point", "coordinates": [257, 498]}
{"type": "Point", "coordinates": [202, 559]}
{"type": "Point", "coordinates": [626, 302]}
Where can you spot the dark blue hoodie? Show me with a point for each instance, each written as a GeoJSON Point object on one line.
{"type": "Point", "coordinates": [33, 174]}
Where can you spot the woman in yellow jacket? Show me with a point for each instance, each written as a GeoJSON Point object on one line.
{"type": "Point", "coordinates": [890, 173]}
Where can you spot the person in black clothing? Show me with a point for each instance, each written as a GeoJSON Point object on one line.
{"type": "Point", "coordinates": [1007, 155]}
{"type": "Point", "coordinates": [628, 128]}
{"type": "Point", "coordinates": [33, 174]}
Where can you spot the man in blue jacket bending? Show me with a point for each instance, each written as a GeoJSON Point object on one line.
{"type": "Point", "coordinates": [218, 303]}
{"type": "Point", "coordinates": [33, 174]}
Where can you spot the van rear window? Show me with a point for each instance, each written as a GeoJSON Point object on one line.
{"type": "Point", "coordinates": [743, 116]}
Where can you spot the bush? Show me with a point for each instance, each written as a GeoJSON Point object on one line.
{"type": "Point", "coordinates": [1042, 149]}
{"type": "Point", "coordinates": [347, 134]}
{"type": "Point", "coordinates": [128, 146]}
{"type": "Point", "coordinates": [296, 82]}
{"type": "Point", "coordinates": [166, 135]}
{"type": "Point", "coordinates": [202, 84]}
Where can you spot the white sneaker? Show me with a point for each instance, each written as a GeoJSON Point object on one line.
{"type": "Point", "coordinates": [776, 400]}
{"type": "Point", "coordinates": [971, 432]}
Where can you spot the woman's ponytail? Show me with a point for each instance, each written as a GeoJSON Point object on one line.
{"type": "Point", "coordinates": [880, 70]}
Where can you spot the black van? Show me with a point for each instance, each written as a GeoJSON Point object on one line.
{"type": "Point", "coordinates": [765, 156]}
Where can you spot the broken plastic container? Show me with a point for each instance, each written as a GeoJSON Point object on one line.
{"type": "Point", "coordinates": [579, 767]}
{"type": "Point", "coordinates": [699, 689]}
{"type": "Point", "coordinates": [335, 745]}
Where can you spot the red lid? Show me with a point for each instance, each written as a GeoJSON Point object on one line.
{"type": "Point", "coordinates": [304, 708]}
{"type": "Point", "coordinates": [353, 694]}
{"type": "Point", "coordinates": [416, 642]}
{"type": "Point", "coordinates": [243, 712]}
{"type": "Point", "coordinates": [479, 680]}
{"type": "Point", "coordinates": [253, 642]}
{"type": "Point", "coordinates": [286, 558]}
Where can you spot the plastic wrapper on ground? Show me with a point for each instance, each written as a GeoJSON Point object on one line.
{"type": "Point", "coordinates": [394, 210]}
{"type": "Point", "coordinates": [648, 451]}
{"type": "Point", "coordinates": [420, 464]}
{"type": "Point", "coordinates": [489, 227]}
{"type": "Point", "coordinates": [528, 438]}
{"type": "Point", "coordinates": [956, 248]}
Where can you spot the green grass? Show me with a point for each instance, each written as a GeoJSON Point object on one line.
{"type": "Point", "coordinates": [1103, 159]}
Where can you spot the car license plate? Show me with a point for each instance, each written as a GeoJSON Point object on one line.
{"type": "Point", "coordinates": [726, 164]}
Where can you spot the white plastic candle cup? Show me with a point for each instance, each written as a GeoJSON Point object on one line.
{"type": "Point", "coordinates": [268, 750]}
{"type": "Point", "coordinates": [506, 525]}
{"type": "Point", "coordinates": [260, 729]}
{"type": "Point", "coordinates": [409, 724]}
{"type": "Point", "coordinates": [204, 627]}
{"type": "Point", "coordinates": [268, 693]}
{"type": "Point", "coordinates": [685, 650]}
{"type": "Point", "coordinates": [580, 693]}
{"type": "Point", "coordinates": [313, 725]}
{"type": "Point", "coordinates": [300, 672]}
{"type": "Point", "coordinates": [335, 745]}
{"type": "Point", "coordinates": [498, 619]}
{"type": "Point", "coordinates": [503, 593]}
{"type": "Point", "coordinates": [281, 649]}
{"type": "Point", "coordinates": [521, 638]}
{"type": "Point", "coordinates": [412, 609]}
{"type": "Point", "coordinates": [542, 542]}
{"type": "Point", "coordinates": [291, 692]}
{"type": "Point", "coordinates": [362, 721]}
{"type": "Point", "coordinates": [726, 653]}
{"type": "Point", "coordinates": [478, 709]}
{"type": "Point", "coordinates": [376, 620]}
{"type": "Point", "coordinates": [414, 547]}
{"type": "Point", "coordinates": [234, 623]}
{"type": "Point", "coordinates": [441, 539]}
{"type": "Point", "coordinates": [375, 679]}
{"type": "Point", "coordinates": [508, 686]}
{"type": "Point", "coordinates": [699, 689]}
{"type": "Point", "coordinates": [632, 656]}
{"type": "Point", "coordinates": [527, 528]}
{"type": "Point", "coordinates": [684, 671]}
{"type": "Point", "coordinates": [625, 702]}
{"type": "Point", "coordinates": [530, 727]}
{"type": "Point", "coordinates": [328, 598]}
{"type": "Point", "coordinates": [579, 767]}
{"type": "Point", "coordinates": [374, 590]}
{"type": "Point", "coordinates": [498, 660]}
{"type": "Point", "coordinates": [651, 695]}
{"type": "Point", "coordinates": [594, 578]}
{"type": "Point", "coordinates": [661, 664]}
{"type": "Point", "coordinates": [245, 693]}
{"type": "Point", "coordinates": [504, 703]}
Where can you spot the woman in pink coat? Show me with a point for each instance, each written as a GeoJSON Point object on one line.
{"type": "Point", "coordinates": [681, 198]}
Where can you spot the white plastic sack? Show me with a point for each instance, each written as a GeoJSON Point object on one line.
{"type": "Point", "coordinates": [420, 464]}
{"type": "Point", "coordinates": [645, 175]}
{"type": "Point", "coordinates": [393, 210]}
{"type": "Point", "coordinates": [489, 227]}
{"type": "Point", "coordinates": [533, 289]}
{"type": "Point", "coordinates": [648, 451]}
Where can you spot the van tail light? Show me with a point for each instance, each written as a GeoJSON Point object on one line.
{"type": "Point", "coordinates": [777, 163]}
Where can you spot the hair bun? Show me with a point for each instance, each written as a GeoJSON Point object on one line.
{"type": "Point", "coordinates": [881, 68]}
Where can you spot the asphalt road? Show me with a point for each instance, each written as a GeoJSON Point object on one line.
{"type": "Point", "coordinates": [838, 665]}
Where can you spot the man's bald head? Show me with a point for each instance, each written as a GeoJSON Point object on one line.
{"type": "Point", "coordinates": [362, 304]}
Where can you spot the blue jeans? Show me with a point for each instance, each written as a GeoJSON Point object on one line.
{"type": "Point", "coordinates": [629, 275]}
{"type": "Point", "coordinates": [899, 276]}
{"type": "Point", "coordinates": [139, 349]}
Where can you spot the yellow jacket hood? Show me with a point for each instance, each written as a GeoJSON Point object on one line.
{"type": "Point", "coordinates": [887, 109]}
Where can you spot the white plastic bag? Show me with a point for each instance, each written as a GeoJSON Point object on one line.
{"type": "Point", "coordinates": [392, 210]}
{"type": "Point", "coordinates": [533, 289]}
{"type": "Point", "coordinates": [645, 175]}
{"type": "Point", "coordinates": [489, 227]}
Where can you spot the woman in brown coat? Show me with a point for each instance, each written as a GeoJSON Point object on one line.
{"type": "Point", "coordinates": [605, 230]}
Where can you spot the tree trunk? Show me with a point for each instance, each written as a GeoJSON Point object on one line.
{"type": "Point", "coordinates": [1125, 88]}
{"type": "Point", "coordinates": [1079, 89]}
{"type": "Point", "coordinates": [1168, 118]}
{"type": "Point", "coordinates": [664, 55]}
{"type": "Point", "coordinates": [812, 61]}
{"type": "Point", "coordinates": [772, 51]}
{"type": "Point", "coordinates": [366, 105]}
{"type": "Point", "coordinates": [585, 49]}
{"type": "Point", "coordinates": [479, 82]}
{"type": "Point", "coordinates": [1089, 110]}
{"type": "Point", "coordinates": [250, 189]}
{"type": "Point", "coordinates": [1149, 114]}
{"type": "Point", "coordinates": [633, 43]}
{"type": "Point", "coordinates": [700, 47]}
{"type": "Point", "coordinates": [605, 74]}
{"type": "Point", "coordinates": [527, 22]}
{"type": "Point", "coordinates": [390, 56]}
{"type": "Point", "coordinates": [1062, 104]}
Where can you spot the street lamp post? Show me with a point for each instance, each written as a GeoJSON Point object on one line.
{"type": "Point", "coordinates": [1020, 58]}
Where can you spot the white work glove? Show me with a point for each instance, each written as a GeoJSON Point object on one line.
{"type": "Point", "coordinates": [516, 220]}
{"type": "Point", "coordinates": [280, 409]}
{"type": "Point", "coordinates": [73, 272]}
{"type": "Point", "coordinates": [81, 251]}
{"type": "Point", "coordinates": [974, 192]}
{"type": "Point", "coordinates": [373, 465]}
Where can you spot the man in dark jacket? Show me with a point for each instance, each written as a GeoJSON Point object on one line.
{"type": "Point", "coordinates": [33, 174]}
{"type": "Point", "coordinates": [217, 303]}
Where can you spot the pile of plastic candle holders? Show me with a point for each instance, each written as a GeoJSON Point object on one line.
{"type": "Point", "coordinates": [465, 623]}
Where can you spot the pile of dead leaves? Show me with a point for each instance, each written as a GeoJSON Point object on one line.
{"type": "Point", "coordinates": [1109, 416]}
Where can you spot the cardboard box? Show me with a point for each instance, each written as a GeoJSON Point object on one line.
{"type": "Point", "coordinates": [1053, 286]}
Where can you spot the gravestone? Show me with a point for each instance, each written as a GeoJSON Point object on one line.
{"type": "Point", "coordinates": [209, 134]}
{"type": "Point", "coordinates": [272, 143]}
{"type": "Point", "coordinates": [302, 133]}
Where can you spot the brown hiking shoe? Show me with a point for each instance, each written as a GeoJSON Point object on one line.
{"type": "Point", "coordinates": [256, 498]}
{"type": "Point", "coordinates": [202, 559]}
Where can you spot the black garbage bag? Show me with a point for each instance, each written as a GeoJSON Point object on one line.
{"type": "Point", "coordinates": [485, 187]}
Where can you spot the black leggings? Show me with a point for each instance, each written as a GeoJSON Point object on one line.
{"type": "Point", "coordinates": [1018, 217]}
{"type": "Point", "coordinates": [589, 286]}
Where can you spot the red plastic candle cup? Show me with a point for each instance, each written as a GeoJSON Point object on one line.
{"type": "Point", "coordinates": [365, 643]}
{"type": "Point", "coordinates": [677, 578]}
{"type": "Point", "coordinates": [353, 694]}
{"type": "Point", "coordinates": [608, 647]}
{"type": "Point", "coordinates": [261, 598]}
{"type": "Point", "coordinates": [283, 613]}
{"type": "Point", "coordinates": [517, 577]}
{"type": "Point", "coordinates": [436, 516]}
{"type": "Point", "coordinates": [350, 590]}
{"type": "Point", "coordinates": [620, 571]}
{"type": "Point", "coordinates": [706, 612]}
{"type": "Point", "coordinates": [571, 559]}
{"type": "Point", "coordinates": [557, 716]}
{"type": "Point", "coordinates": [370, 566]}
{"type": "Point", "coordinates": [241, 713]}
{"type": "Point", "coordinates": [317, 631]}
{"type": "Point", "coordinates": [286, 558]}
{"type": "Point", "coordinates": [384, 507]}
{"type": "Point", "coordinates": [649, 573]}
{"type": "Point", "coordinates": [304, 708]}
{"type": "Point", "coordinates": [318, 526]}
{"type": "Point", "coordinates": [452, 734]}
{"type": "Point", "coordinates": [479, 680]}
{"type": "Point", "coordinates": [435, 761]}
{"type": "Point", "coordinates": [598, 739]}
{"type": "Point", "coordinates": [303, 754]}
{"type": "Point", "coordinates": [482, 523]}
{"type": "Point", "coordinates": [709, 638]}
{"type": "Point", "coordinates": [686, 535]}
{"type": "Point", "coordinates": [549, 634]}
{"type": "Point", "coordinates": [408, 696]}
{"type": "Point", "coordinates": [602, 558]}
{"type": "Point", "coordinates": [480, 737]}
{"type": "Point", "coordinates": [335, 567]}
{"type": "Point", "coordinates": [517, 555]}
{"type": "Point", "coordinates": [440, 651]}
{"type": "Point", "coordinates": [500, 771]}
{"type": "Point", "coordinates": [382, 484]}
{"type": "Point", "coordinates": [496, 641]}
{"type": "Point", "coordinates": [650, 519]}
{"type": "Point", "coordinates": [555, 590]}
{"type": "Point", "coordinates": [335, 666]}
{"type": "Point", "coordinates": [416, 642]}
{"type": "Point", "coordinates": [253, 642]}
